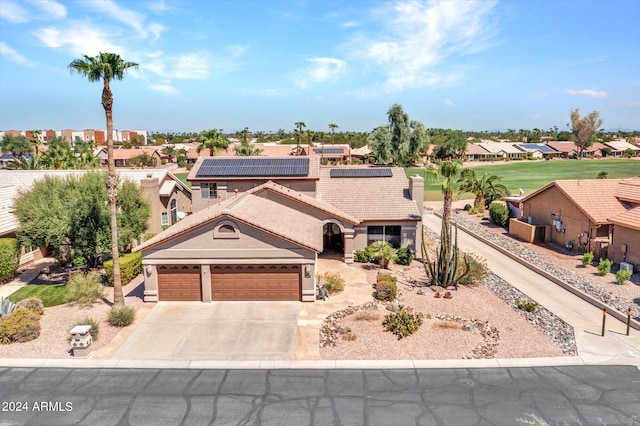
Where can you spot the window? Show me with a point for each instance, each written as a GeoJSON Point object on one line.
{"type": "Point", "coordinates": [209, 190]}
{"type": "Point", "coordinates": [226, 229]}
{"type": "Point", "coordinates": [174, 211]}
{"type": "Point", "coordinates": [390, 234]}
{"type": "Point", "coordinates": [164, 218]}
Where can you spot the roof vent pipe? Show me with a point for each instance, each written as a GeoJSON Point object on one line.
{"type": "Point", "coordinates": [236, 190]}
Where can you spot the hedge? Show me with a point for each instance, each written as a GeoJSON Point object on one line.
{"type": "Point", "coordinates": [130, 267]}
{"type": "Point", "coordinates": [9, 257]}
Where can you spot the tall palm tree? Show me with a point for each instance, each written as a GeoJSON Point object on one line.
{"type": "Point", "coordinates": [246, 149]}
{"type": "Point", "coordinates": [213, 140]}
{"type": "Point", "coordinates": [446, 172]}
{"type": "Point", "coordinates": [106, 67]}
{"type": "Point", "coordinates": [485, 189]}
{"type": "Point", "coordinates": [35, 139]}
{"type": "Point", "coordinates": [299, 125]}
{"type": "Point", "coordinates": [333, 128]}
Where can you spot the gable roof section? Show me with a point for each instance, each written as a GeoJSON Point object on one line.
{"type": "Point", "coordinates": [497, 147]}
{"type": "Point", "coordinates": [594, 197]}
{"type": "Point", "coordinates": [384, 198]}
{"type": "Point", "coordinates": [259, 212]}
{"type": "Point", "coordinates": [566, 147]}
{"type": "Point", "coordinates": [629, 190]}
{"type": "Point", "coordinates": [621, 145]}
{"type": "Point", "coordinates": [305, 199]}
{"type": "Point", "coordinates": [476, 149]}
{"type": "Point", "coordinates": [531, 147]}
{"type": "Point", "coordinates": [628, 219]}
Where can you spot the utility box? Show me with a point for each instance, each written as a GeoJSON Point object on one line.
{"type": "Point", "coordinates": [626, 266]}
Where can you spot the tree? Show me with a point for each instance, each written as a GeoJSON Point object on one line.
{"type": "Point", "coordinates": [170, 151]}
{"type": "Point", "coordinates": [299, 125]}
{"type": "Point", "coordinates": [333, 128]}
{"type": "Point", "coordinates": [143, 160]}
{"type": "Point", "coordinates": [23, 163]}
{"type": "Point", "coordinates": [446, 173]}
{"type": "Point", "coordinates": [212, 140]}
{"type": "Point", "coordinates": [584, 128]}
{"type": "Point", "coordinates": [486, 189]}
{"type": "Point", "coordinates": [72, 217]}
{"type": "Point", "coordinates": [379, 142]}
{"type": "Point", "coordinates": [59, 157]}
{"type": "Point", "coordinates": [246, 149]}
{"type": "Point", "coordinates": [383, 252]}
{"type": "Point", "coordinates": [35, 139]}
{"type": "Point", "coordinates": [16, 145]}
{"type": "Point", "coordinates": [106, 67]}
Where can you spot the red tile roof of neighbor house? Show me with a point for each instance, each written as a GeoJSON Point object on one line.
{"type": "Point", "coordinates": [562, 146]}
{"type": "Point", "coordinates": [258, 212]}
{"type": "Point", "coordinates": [380, 198]}
{"type": "Point", "coordinates": [475, 149]}
{"type": "Point", "coordinates": [305, 199]}
{"type": "Point", "coordinates": [628, 219]}
{"type": "Point", "coordinates": [597, 198]}
{"type": "Point", "coordinates": [127, 154]}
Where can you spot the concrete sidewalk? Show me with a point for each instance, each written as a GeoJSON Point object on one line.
{"type": "Point", "coordinates": [614, 348]}
{"type": "Point", "coordinates": [25, 277]}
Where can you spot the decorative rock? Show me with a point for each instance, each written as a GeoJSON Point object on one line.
{"type": "Point", "coordinates": [424, 290]}
{"type": "Point", "coordinates": [393, 307]}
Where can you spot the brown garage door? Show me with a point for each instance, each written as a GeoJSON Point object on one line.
{"type": "Point", "coordinates": [255, 282]}
{"type": "Point", "coordinates": [179, 282]}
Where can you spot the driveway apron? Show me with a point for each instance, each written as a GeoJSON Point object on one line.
{"type": "Point", "coordinates": [214, 331]}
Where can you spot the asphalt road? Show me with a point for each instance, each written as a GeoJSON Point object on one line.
{"type": "Point", "coordinates": [588, 395]}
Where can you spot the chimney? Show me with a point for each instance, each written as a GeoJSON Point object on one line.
{"type": "Point", "coordinates": [416, 192]}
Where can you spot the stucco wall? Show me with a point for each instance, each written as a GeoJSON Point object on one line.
{"type": "Point", "coordinates": [409, 233]}
{"type": "Point", "coordinates": [631, 238]}
{"type": "Point", "coordinates": [541, 206]}
{"type": "Point", "coordinates": [522, 230]}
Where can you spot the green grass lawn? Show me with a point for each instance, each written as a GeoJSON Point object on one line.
{"type": "Point", "coordinates": [183, 178]}
{"type": "Point", "coordinates": [532, 175]}
{"type": "Point", "coordinates": [50, 294]}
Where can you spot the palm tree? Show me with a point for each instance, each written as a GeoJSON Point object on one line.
{"type": "Point", "coordinates": [245, 149]}
{"type": "Point", "coordinates": [485, 188]}
{"type": "Point", "coordinates": [333, 132]}
{"type": "Point", "coordinates": [322, 135]}
{"type": "Point", "coordinates": [244, 135]}
{"type": "Point", "coordinates": [446, 171]}
{"type": "Point", "coordinates": [106, 67]}
{"type": "Point", "coordinates": [170, 151]}
{"type": "Point", "coordinates": [23, 163]}
{"type": "Point", "coordinates": [213, 140]}
{"type": "Point", "coordinates": [35, 139]}
{"type": "Point", "coordinates": [310, 134]}
{"type": "Point", "coordinates": [299, 125]}
{"type": "Point", "coordinates": [383, 252]}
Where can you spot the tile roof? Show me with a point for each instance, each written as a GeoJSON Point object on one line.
{"type": "Point", "coordinates": [126, 154]}
{"type": "Point", "coordinates": [595, 197]}
{"type": "Point", "coordinates": [362, 197]}
{"type": "Point", "coordinates": [496, 147]}
{"type": "Point", "coordinates": [621, 145]}
{"type": "Point", "coordinates": [476, 149]}
{"type": "Point", "coordinates": [259, 212]}
{"type": "Point", "coordinates": [566, 147]}
{"type": "Point", "coordinates": [628, 219]}
{"type": "Point", "coordinates": [629, 190]}
{"type": "Point", "coordinates": [305, 199]}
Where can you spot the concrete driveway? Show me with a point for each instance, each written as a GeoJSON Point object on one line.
{"type": "Point", "coordinates": [214, 331]}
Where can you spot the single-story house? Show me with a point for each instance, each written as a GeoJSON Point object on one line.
{"type": "Point", "coordinates": [123, 156]}
{"type": "Point", "coordinates": [259, 224]}
{"type": "Point", "coordinates": [170, 199]}
{"type": "Point", "coordinates": [563, 149]}
{"type": "Point", "coordinates": [476, 152]}
{"type": "Point", "coordinates": [618, 147]}
{"type": "Point", "coordinates": [500, 149]}
{"type": "Point", "coordinates": [538, 150]}
{"type": "Point", "coordinates": [588, 215]}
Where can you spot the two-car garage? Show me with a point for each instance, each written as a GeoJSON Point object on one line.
{"type": "Point", "coordinates": [230, 282]}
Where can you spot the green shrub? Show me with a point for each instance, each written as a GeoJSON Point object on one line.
{"type": "Point", "coordinates": [130, 267]}
{"type": "Point", "coordinates": [402, 323]}
{"type": "Point", "coordinates": [386, 287]}
{"type": "Point", "coordinates": [477, 269]}
{"type": "Point", "coordinates": [85, 289]}
{"type": "Point", "coordinates": [361, 256]}
{"type": "Point", "coordinates": [22, 325]}
{"type": "Point", "coordinates": [623, 275]}
{"type": "Point", "coordinates": [33, 304]}
{"type": "Point", "coordinates": [9, 257]}
{"type": "Point", "coordinates": [476, 210]}
{"type": "Point", "coordinates": [121, 315]}
{"type": "Point", "coordinates": [587, 258]}
{"type": "Point", "coordinates": [527, 305]}
{"type": "Point", "coordinates": [78, 261]}
{"type": "Point", "coordinates": [333, 282]}
{"type": "Point", "coordinates": [467, 207]}
{"type": "Point", "coordinates": [403, 256]}
{"type": "Point", "coordinates": [604, 267]}
{"type": "Point", "coordinates": [499, 214]}
{"type": "Point", "coordinates": [95, 326]}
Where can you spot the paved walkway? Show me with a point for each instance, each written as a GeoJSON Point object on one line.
{"type": "Point", "coordinates": [25, 278]}
{"type": "Point", "coordinates": [614, 348]}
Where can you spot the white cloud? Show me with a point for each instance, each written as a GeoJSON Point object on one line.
{"type": "Point", "coordinates": [164, 88]}
{"type": "Point", "coordinates": [52, 8]}
{"type": "Point", "coordinates": [158, 6]}
{"type": "Point", "coordinates": [320, 70]}
{"type": "Point", "coordinates": [13, 12]}
{"type": "Point", "coordinates": [127, 16]}
{"type": "Point", "coordinates": [449, 103]}
{"type": "Point", "coordinates": [190, 66]}
{"type": "Point", "coordinates": [350, 24]}
{"type": "Point", "coordinates": [14, 56]}
{"type": "Point", "coordinates": [587, 92]}
{"type": "Point", "coordinates": [79, 38]}
{"type": "Point", "coordinates": [421, 35]}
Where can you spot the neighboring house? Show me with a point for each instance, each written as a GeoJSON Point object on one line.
{"type": "Point", "coordinates": [618, 147]}
{"type": "Point", "coordinates": [6, 159]}
{"type": "Point", "coordinates": [122, 156]}
{"type": "Point", "coordinates": [563, 149]}
{"type": "Point", "coordinates": [170, 199]}
{"type": "Point", "coordinates": [597, 215]}
{"type": "Point", "coordinates": [538, 150]}
{"type": "Point", "coordinates": [499, 149]}
{"type": "Point", "coordinates": [260, 223]}
{"type": "Point", "coordinates": [476, 152]}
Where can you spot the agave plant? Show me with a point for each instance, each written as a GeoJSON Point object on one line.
{"type": "Point", "coordinates": [6, 307]}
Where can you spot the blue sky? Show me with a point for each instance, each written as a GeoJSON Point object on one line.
{"type": "Point", "coordinates": [471, 65]}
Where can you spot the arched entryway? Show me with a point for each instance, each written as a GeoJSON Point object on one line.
{"type": "Point", "coordinates": [333, 238]}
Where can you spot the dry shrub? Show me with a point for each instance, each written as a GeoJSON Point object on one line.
{"type": "Point", "coordinates": [447, 325]}
{"type": "Point", "coordinates": [349, 337]}
{"type": "Point", "coordinates": [367, 315]}
{"type": "Point", "coordinates": [22, 325]}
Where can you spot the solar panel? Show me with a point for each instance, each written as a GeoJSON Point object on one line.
{"type": "Point", "coordinates": [328, 150]}
{"type": "Point", "coordinates": [253, 167]}
{"type": "Point", "coordinates": [361, 173]}
{"type": "Point", "coordinates": [543, 148]}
